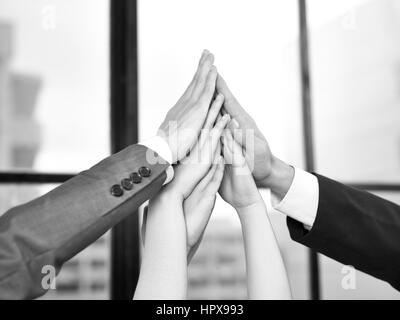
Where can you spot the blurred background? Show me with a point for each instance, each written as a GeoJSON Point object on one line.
{"type": "Point", "coordinates": [55, 110]}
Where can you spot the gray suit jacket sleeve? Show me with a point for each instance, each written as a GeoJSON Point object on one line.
{"type": "Point", "coordinates": [53, 228]}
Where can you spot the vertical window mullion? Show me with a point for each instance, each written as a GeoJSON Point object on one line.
{"type": "Point", "coordinates": [125, 253]}
{"type": "Point", "coordinates": [308, 130]}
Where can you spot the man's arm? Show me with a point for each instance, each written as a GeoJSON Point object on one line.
{"type": "Point", "coordinates": [55, 227]}
{"type": "Point", "coordinates": [355, 228]}
{"type": "Point", "coordinates": [349, 225]}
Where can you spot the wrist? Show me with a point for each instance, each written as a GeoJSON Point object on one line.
{"type": "Point", "coordinates": [280, 179]}
{"type": "Point", "coordinates": [167, 145]}
{"type": "Point", "coordinates": [171, 194]}
{"type": "Point", "coordinates": [251, 210]}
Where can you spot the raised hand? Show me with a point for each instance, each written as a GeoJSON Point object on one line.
{"type": "Point", "coordinates": [183, 122]}
{"type": "Point", "coordinates": [266, 274]}
{"type": "Point", "coordinates": [199, 205]}
{"type": "Point", "coordinates": [238, 187]}
{"type": "Point", "coordinates": [198, 177]}
{"type": "Point", "coordinates": [268, 171]}
{"type": "Point", "coordinates": [196, 165]}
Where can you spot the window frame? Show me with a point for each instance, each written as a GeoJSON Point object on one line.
{"type": "Point", "coordinates": [309, 151]}
{"type": "Point", "coordinates": [125, 253]}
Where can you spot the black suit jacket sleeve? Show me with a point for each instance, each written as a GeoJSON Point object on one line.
{"type": "Point", "coordinates": [53, 228]}
{"type": "Point", "coordinates": [355, 228]}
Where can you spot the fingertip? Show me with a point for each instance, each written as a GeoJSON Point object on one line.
{"type": "Point", "coordinates": [229, 140]}
{"type": "Point", "coordinates": [226, 118]}
{"type": "Point", "coordinates": [222, 123]}
{"type": "Point", "coordinates": [217, 103]}
{"type": "Point", "coordinates": [211, 57]}
{"type": "Point", "coordinates": [213, 71]}
{"type": "Point", "coordinates": [207, 61]}
{"type": "Point", "coordinates": [234, 124]}
{"type": "Point", "coordinates": [219, 127]}
{"type": "Point", "coordinates": [204, 54]}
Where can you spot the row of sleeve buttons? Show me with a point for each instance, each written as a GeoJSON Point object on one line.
{"type": "Point", "coordinates": [127, 184]}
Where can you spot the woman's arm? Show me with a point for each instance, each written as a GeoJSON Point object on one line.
{"type": "Point", "coordinates": [266, 274]}
{"type": "Point", "coordinates": [163, 272]}
{"type": "Point", "coordinates": [167, 233]}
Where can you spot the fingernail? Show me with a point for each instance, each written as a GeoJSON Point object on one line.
{"type": "Point", "coordinates": [205, 51]}
{"type": "Point", "coordinates": [234, 124]}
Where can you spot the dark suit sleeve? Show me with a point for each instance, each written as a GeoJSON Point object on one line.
{"type": "Point", "coordinates": [355, 228]}
{"type": "Point", "coordinates": [53, 228]}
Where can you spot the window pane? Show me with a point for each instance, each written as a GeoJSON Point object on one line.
{"type": "Point", "coordinates": [85, 276]}
{"type": "Point", "coordinates": [337, 279]}
{"type": "Point", "coordinates": [355, 64]}
{"type": "Point", "coordinates": [54, 96]}
{"type": "Point", "coordinates": [256, 49]}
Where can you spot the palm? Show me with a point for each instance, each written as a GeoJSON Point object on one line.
{"type": "Point", "coordinates": [199, 205]}
{"type": "Point", "coordinates": [257, 151]}
{"type": "Point", "coordinates": [183, 122]}
{"type": "Point", "coordinates": [259, 157]}
{"type": "Point", "coordinates": [238, 187]}
{"type": "Point", "coordinates": [197, 213]}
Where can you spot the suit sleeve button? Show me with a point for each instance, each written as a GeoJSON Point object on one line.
{"type": "Point", "coordinates": [136, 177]}
{"type": "Point", "coordinates": [145, 172]}
{"type": "Point", "coordinates": [116, 190]}
{"type": "Point", "coordinates": [127, 184]}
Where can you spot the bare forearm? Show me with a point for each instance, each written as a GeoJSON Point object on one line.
{"type": "Point", "coordinates": [163, 273]}
{"type": "Point", "coordinates": [266, 273]}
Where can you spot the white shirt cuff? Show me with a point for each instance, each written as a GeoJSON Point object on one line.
{"type": "Point", "coordinates": [301, 201]}
{"type": "Point", "coordinates": [161, 146]}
